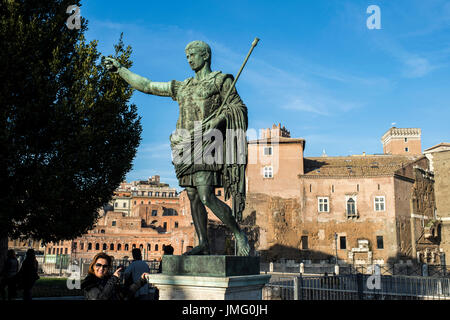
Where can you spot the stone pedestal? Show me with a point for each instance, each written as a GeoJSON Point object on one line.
{"type": "Point", "coordinates": [209, 278]}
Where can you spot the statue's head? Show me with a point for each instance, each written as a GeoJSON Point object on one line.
{"type": "Point", "coordinates": [198, 52]}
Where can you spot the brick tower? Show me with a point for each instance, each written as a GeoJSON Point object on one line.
{"type": "Point", "coordinates": [402, 141]}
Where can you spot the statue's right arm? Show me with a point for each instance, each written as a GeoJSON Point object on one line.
{"type": "Point", "coordinates": [138, 82]}
{"type": "Point", "coordinates": [145, 85]}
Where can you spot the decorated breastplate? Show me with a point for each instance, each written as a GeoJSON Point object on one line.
{"type": "Point", "coordinates": [197, 100]}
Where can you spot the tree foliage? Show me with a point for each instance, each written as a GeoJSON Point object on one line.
{"type": "Point", "coordinates": [68, 134]}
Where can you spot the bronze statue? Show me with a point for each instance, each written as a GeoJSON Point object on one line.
{"type": "Point", "coordinates": [208, 103]}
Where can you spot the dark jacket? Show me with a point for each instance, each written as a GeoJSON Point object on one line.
{"type": "Point", "coordinates": [28, 273]}
{"type": "Point", "coordinates": [108, 288]}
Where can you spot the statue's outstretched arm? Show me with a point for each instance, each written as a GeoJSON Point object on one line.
{"type": "Point", "coordinates": [138, 82]}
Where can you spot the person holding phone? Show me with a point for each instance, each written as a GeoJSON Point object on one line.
{"type": "Point", "coordinates": [100, 284]}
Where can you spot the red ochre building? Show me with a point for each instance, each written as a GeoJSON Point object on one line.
{"type": "Point", "coordinates": [143, 214]}
{"type": "Point", "coordinates": [368, 208]}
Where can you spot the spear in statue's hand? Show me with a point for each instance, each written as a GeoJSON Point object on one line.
{"type": "Point", "coordinates": [254, 43]}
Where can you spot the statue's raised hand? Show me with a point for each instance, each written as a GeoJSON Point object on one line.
{"type": "Point", "coordinates": [111, 64]}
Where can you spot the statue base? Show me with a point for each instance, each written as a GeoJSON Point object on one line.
{"type": "Point", "coordinates": [209, 278]}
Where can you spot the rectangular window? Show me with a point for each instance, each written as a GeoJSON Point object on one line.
{"type": "Point", "coordinates": [323, 204]}
{"type": "Point", "coordinates": [267, 151]}
{"type": "Point", "coordinates": [164, 194]}
{"type": "Point", "coordinates": [165, 226]}
{"type": "Point", "coordinates": [406, 139]}
{"type": "Point", "coordinates": [379, 203]}
{"type": "Point", "coordinates": [116, 204]}
{"type": "Point", "coordinates": [176, 224]}
{"type": "Point", "coordinates": [406, 149]}
{"type": "Point", "coordinates": [343, 243]}
{"type": "Point", "coordinates": [304, 242]}
{"type": "Point", "coordinates": [154, 213]}
{"type": "Point", "coordinates": [380, 243]}
{"type": "Point", "coordinates": [124, 204]}
{"type": "Point", "coordinates": [268, 172]}
{"type": "Point", "coordinates": [113, 223]}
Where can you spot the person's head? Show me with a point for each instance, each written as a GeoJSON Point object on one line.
{"type": "Point", "coordinates": [198, 53]}
{"type": "Point", "coordinates": [30, 254]}
{"type": "Point", "coordinates": [136, 254]}
{"type": "Point", "coordinates": [100, 265]}
{"type": "Point", "coordinates": [11, 254]}
{"type": "Point", "coordinates": [168, 249]}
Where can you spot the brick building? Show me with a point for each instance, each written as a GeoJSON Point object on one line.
{"type": "Point", "coordinates": [404, 141]}
{"type": "Point", "coordinates": [143, 214]}
{"type": "Point", "coordinates": [371, 208]}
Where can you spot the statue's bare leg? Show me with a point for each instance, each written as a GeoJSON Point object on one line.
{"type": "Point", "coordinates": [200, 219]}
{"type": "Point", "coordinates": [223, 212]}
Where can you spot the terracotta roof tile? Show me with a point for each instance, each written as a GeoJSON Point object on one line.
{"type": "Point", "coordinates": [371, 165]}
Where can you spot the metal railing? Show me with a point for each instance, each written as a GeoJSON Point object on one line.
{"type": "Point", "coordinates": [64, 266]}
{"type": "Point", "coordinates": [357, 287]}
{"type": "Point", "coordinates": [405, 269]}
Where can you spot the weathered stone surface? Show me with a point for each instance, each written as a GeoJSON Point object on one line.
{"type": "Point", "coordinates": [210, 266]}
{"type": "Point", "coordinates": [173, 287]}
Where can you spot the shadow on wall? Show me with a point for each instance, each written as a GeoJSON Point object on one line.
{"type": "Point", "coordinates": [222, 240]}
{"type": "Point", "coordinates": [279, 252]}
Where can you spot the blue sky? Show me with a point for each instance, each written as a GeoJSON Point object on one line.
{"type": "Point", "coordinates": [318, 69]}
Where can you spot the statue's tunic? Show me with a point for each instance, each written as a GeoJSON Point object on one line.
{"type": "Point", "coordinates": [200, 102]}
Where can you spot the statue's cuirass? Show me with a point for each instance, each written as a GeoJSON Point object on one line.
{"type": "Point", "coordinates": [198, 99]}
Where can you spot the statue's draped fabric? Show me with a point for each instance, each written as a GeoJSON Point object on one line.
{"type": "Point", "coordinates": [223, 164]}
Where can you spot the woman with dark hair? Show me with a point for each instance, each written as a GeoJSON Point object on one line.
{"type": "Point", "coordinates": [99, 284]}
{"type": "Point", "coordinates": [28, 274]}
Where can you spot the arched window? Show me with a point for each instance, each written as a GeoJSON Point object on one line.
{"type": "Point", "coordinates": [351, 207]}
{"type": "Point", "coordinates": [111, 246]}
{"type": "Point", "coordinates": [97, 246]}
{"type": "Point", "coordinates": [105, 246]}
{"type": "Point", "coordinates": [149, 247]}
{"type": "Point", "coordinates": [127, 247]}
{"type": "Point", "coordinates": [141, 247]}
{"type": "Point", "coordinates": [89, 246]}
{"type": "Point", "coordinates": [134, 246]}
{"type": "Point", "coordinates": [156, 247]}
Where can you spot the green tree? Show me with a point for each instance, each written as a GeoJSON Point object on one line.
{"type": "Point", "coordinates": [68, 134]}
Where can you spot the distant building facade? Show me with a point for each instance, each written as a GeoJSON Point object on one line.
{"type": "Point", "coordinates": [142, 214]}
{"type": "Point", "coordinates": [371, 208]}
